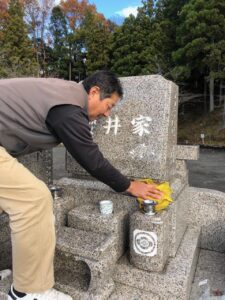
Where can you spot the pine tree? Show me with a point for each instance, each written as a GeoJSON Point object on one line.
{"type": "Point", "coordinates": [97, 35]}
{"type": "Point", "coordinates": [143, 45]}
{"type": "Point", "coordinates": [201, 40]}
{"type": "Point", "coordinates": [60, 39]}
{"type": "Point", "coordinates": [129, 41]}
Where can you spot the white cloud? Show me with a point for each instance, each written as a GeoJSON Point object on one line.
{"type": "Point", "coordinates": [131, 10]}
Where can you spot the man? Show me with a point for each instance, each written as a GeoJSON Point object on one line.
{"type": "Point", "coordinates": [38, 114]}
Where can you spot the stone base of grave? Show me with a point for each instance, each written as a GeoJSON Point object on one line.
{"type": "Point", "coordinates": [210, 266]}
{"type": "Point", "coordinates": [90, 246]}
{"type": "Point", "coordinates": [174, 282]}
{"type": "Point", "coordinates": [92, 256]}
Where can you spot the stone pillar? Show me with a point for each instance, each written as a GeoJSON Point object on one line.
{"type": "Point", "coordinates": [150, 239]}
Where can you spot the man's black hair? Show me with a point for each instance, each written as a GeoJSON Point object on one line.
{"type": "Point", "coordinates": [106, 80]}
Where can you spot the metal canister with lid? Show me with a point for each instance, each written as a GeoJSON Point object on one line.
{"type": "Point", "coordinates": [148, 207]}
{"type": "Point", "coordinates": [56, 192]}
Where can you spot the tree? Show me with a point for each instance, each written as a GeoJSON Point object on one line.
{"type": "Point", "coordinates": [129, 42]}
{"type": "Point", "coordinates": [37, 13]}
{"type": "Point", "coordinates": [201, 41]}
{"type": "Point", "coordinates": [17, 54]}
{"type": "Point", "coordinates": [90, 36]}
{"type": "Point", "coordinates": [143, 45]}
{"type": "Point", "coordinates": [60, 42]}
{"type": "Point", "coordinates": [167, 19]}
{"type": "Point", "coordinates": [97, 34]}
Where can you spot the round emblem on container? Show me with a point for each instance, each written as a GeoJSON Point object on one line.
{"type": "Point", "coordinates": [145, 242]}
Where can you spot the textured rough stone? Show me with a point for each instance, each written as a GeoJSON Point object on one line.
{"type": "Point", "coordinates": [82, 243]}
{"type": "Point", "coordinates": [206, 209]}
{"type": "Point", "coordinates": [187, 152]}
{"type": "Point", "coordinates": [179, 225]}
{"type": "Point", "coordinates": [150, 240]}
{"type": "Point", "coordinates": [4, 287]}
{"type": "Point", "coordinates": [5, 229]}
{"type": "Point", "coordinates": [40, 164]}
{"type": "Point", "coordinates": [211, 268]}
{"type": "Point", "coordinates": [61, 207]}
{"type": "Point", "coordinates": [91, 192]}
{"type": "Point", "coordinates": [175, 281]}
{"type": "Point", "coordinates": [89, 218]}
{"type": "Point", "coordinates": [124, 292]}
{"type": "Point", "coordinates": [153, 153]}
{"type": "Point", "coordinates": [5, 243]}
{"type": "Point", "coordinates": [181, 170]}
{"type": "Point", "coordinates": [93, 263]}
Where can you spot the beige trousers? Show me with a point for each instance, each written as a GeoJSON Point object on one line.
{"type": "Point", "coordinates": [28, 203]}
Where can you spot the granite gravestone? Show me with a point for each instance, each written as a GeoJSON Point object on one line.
{"type": "Point", "coordinates": [40, 164]}
{"type": "Point", "coordinates": [140, 136]}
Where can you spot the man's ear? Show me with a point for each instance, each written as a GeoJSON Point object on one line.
{"type": "Point", "coordinates": [94, 90]}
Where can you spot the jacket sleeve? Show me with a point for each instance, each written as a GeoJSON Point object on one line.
{"type": "Point", "coordinates": [70, 125]}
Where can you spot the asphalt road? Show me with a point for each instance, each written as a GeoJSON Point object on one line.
{"type": "Point", "coordinates": [207, 172]}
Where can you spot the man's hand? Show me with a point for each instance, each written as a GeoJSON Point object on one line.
{"type": "Point", "coordinates": [144, 191]}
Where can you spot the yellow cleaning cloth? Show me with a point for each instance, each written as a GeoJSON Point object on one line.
{"type": "Point", "coordinates": [166, 198]}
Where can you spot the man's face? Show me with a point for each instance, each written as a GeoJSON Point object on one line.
{"type": "Point", "coordinates": [100, 108]}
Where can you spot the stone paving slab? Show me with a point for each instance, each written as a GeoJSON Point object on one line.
{"type": "Point", "coordinates": [123, 292]}
{"type": "Point", "coordinates": [211, 266]}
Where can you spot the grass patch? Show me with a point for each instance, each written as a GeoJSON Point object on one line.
{"type": "Point", "coordinates": [212, 125]}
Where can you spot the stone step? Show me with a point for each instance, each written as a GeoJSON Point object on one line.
{"type": "Point", "coordinates": [84, 244]}
{"type": "Point", "coordinates": [174, 282]}
{"type": "Point", "coordinates": [124, 292]}
{"type": "Point", "coordinates": [88, 217]}
{"type": "Point", "coordinates": [71, 283]}
{"type": "Point", "coordinates": [84, 278]}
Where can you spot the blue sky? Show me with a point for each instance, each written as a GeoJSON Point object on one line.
{"type": "Point", "coordinates": [116, 10]}
{"type": "Point", "coordinates": [111, 8]}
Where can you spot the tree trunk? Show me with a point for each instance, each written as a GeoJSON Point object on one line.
{"type": "Point", "coordinates": [221, 91]}
{"type": "Point", "coordinates": [205, 96]}
{"type": "Point", "coordinates": [70, 70]}
{"type": "Point", "coordinates": [211, 91]}
{"type": "Point", "coordinates": [224, 114]}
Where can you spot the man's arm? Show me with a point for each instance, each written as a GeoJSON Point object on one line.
{"type": "Point", "coordinates": [70, 125]}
